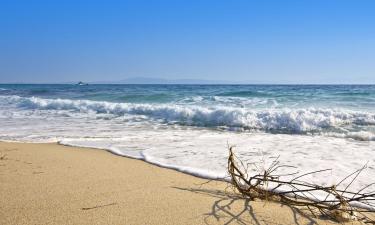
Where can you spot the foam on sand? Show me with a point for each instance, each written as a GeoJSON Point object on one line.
{"type": "Point", "coordinates": [307, 138]}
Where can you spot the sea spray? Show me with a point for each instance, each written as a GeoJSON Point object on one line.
{"type": "Point", "coordinates": [285, 120]}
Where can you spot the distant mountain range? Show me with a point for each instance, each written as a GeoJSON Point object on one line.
{"type": "Point", "coordinates": [148, 80]}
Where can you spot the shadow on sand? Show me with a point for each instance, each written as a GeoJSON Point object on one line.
{"type": "Point", "coordinates": [234, 209]}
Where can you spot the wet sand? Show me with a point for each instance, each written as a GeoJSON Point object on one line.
{"type": "Point", "coordinates": [55, 184]}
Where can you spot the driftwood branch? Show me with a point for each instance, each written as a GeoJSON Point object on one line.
{"type": "Point", "coordinates": [339, 204]}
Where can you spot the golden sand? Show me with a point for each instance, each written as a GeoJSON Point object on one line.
{"type": "Point", "coordinates": [54, 184]}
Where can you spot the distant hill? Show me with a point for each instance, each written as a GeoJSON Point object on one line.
{"type": "Point", "coordinates": [148, 80]}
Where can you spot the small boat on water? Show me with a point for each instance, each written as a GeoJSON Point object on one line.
{"type": "Point", "coordinates": [82, 84]}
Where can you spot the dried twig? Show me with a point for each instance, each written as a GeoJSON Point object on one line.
{"type": "Point", "coordinates": [98, 206]}
{"type": "Point", "coordinates": [268, 185]}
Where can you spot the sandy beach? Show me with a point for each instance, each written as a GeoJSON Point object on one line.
{"type": "Point", "coordinates": [187, 112]}
{"type": "Point", "coordinates": [55, 184]}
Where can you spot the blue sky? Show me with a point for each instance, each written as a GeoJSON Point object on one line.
{"type": "Point", "coordinates": [251, 41]}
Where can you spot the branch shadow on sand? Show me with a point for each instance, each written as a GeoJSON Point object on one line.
{"type": "Point", "coordinates": [231, 208]}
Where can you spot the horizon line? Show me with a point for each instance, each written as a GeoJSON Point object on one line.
{"type": "Point", "coordinates": [109, 83]}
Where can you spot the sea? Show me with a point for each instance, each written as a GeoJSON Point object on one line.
{"type": "Point", "coordinates": [190, 127]}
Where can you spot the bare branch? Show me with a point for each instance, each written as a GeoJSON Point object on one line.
{"type": "Point", "coordinates": [269, 185]}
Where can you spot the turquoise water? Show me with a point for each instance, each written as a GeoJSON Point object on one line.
{"type": "Point", "coordinates": [348, 96]}
{"type": "Point", "coordinates": [304, 109]}
{"type": "Point", "coordinates": [188, 127]}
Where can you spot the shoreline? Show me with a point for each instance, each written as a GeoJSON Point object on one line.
{"type": "Point", "coordinates": [180, 169]}
{"type": "Point", "coordinates": [58, 184]}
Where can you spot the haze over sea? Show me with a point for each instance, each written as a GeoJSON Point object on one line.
{"type": "Point", "coordinates": [187, 127]}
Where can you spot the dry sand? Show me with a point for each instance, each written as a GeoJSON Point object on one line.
{"type": "Point", "coordinates": [54, 184]}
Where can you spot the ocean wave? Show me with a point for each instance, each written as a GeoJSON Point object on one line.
{"type": "Point", "coordinates": [245, 94]}
{"type": "Point", "coordinates": [271, 120]}
{"type": "Point", "coordinates": [144, 98]}
{"type": "Point", "coordinates": [359, 136]}
{"type": "Point", "coordinates": [40, 91]}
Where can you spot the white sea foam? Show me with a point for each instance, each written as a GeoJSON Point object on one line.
{"type": "Point", "coordinates": [276, 120]}
{"type": "Point", "coordinates": [360, 135]}
{"type": "Point", "coordinates": [134, 130]}
{"type": "Point", "coordinates": [203, 153]}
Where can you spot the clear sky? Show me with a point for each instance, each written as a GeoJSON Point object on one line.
{"type": "Point", "coordinates": [301, 41]}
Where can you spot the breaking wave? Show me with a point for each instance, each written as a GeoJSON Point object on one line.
{"type": "Point", "coordinates": [285, 120]}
